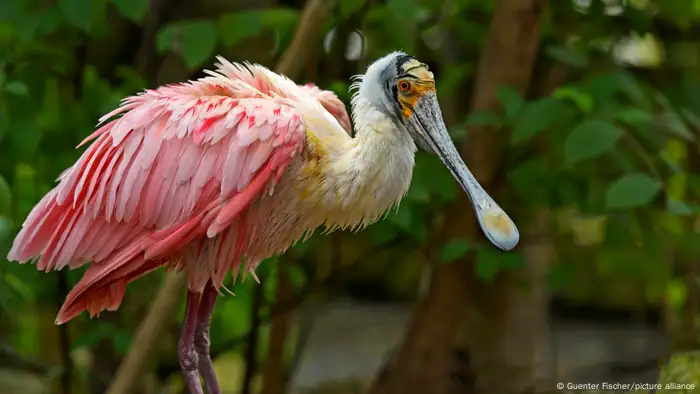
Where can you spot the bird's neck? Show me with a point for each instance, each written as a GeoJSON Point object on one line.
{"type": "Point", "coordinates": [372, 173]}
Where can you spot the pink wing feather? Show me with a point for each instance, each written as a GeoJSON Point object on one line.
{"type": "Point", "coordinates": [182, 163]}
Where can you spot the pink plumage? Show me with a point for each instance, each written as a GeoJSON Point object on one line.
{"type": "Point", "coordinates": [180, 165]}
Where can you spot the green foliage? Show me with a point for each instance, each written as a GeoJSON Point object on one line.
{"type": "Point", "coordinates": [453, 250]}
{"type": "Point", "coordinates": [194, 40]}
{"type": "Point", "coordinates": [119, 338]}
{"type": "Point", "coordinates": [5, 198]}
{"type": "Point", "coordinates": [348, 7]}
{"type": "Point", "coordinates": [535, 117]}
{"type": "Point", "coordinates": [484, 118]}
{"type": "Point", "coordinates": [78, 13]}
{"type": "Point", "coordinates": [582, 100]}
{"type": "Point", "coordinates": [236, 27]}
{"type": "Point", "coordinates": [511, 100]}
{"type": "Point", "coordinates": [132, 9]}
{"type": "Point", "coordinates": [490, 261]}
{"type": "Point", "coordinates": [589, 139]}
{"type": "Point", "coordinates": [571, 55]}
{"type": "Point", "coordinates": [631, 191]}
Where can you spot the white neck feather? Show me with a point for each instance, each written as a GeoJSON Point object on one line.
{"type": "Point", "coordinates": [373, 173]}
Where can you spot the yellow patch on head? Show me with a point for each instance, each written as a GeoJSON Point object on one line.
{"type": "Point", "coordinates": [498, 222]}
{"type": "Point", "coordinates": [418, 82]}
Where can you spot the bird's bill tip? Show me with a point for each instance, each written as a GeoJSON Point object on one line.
{"type": "Point", "coordinates": [498, 228]}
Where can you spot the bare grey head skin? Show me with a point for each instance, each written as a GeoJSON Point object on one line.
{"type": "Point", "coordinates": [403, 89]}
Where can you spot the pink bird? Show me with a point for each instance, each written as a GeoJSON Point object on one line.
{"type": "Point", "coordinates": [216, 175]}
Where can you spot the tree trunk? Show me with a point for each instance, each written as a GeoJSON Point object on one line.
{"type": "Point", "coordinates": [426, 362]}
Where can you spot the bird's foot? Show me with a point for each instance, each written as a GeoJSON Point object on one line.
{"type": "Point", "coordinates": [189, 359]}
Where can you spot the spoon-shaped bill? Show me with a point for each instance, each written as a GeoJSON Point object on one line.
{"type": "Point", "coordinates": [495, 223]}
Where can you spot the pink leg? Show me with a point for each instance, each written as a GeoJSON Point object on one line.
{"type": "Point", "coordinates": [202, 341]}
{"type": "Point", "coordinates": [186, 350]}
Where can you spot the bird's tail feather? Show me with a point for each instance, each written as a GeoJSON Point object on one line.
{"type": "Point", "coordinates": [104, 283]}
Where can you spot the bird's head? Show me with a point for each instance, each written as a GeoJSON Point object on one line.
{"type": "Point", "coordinates": [403, 89]}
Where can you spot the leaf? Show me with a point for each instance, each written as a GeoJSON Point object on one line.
{"type": "Point", "coordinates": [670, 121]}
{"type": "Point", "coordinates": [633, 116]}
{"type": "Point", "coordinates": [602, 86]}
{"type": "Point", "coordinates": [581, 99]}
{"type": "Point", "coordinates": [679, 208]}
{"type": "Point", "coordinates": [297, 276]}
{"type": "Point", "coordinates": [676, 293]}
{"type": "Point", "coordinates": [166, 38]}
{"type": "Point", "coordinates": [631, 88]}
{"type": "Point", "coordinates": [453, 250]}
{"type": "Point", "coordinates": [490, 261]}
{"type": "Point", "coordinates": [279, 17]}
{"type": "Point", "coordinates": [631, 191]}
{"type": "Point", "coordinates": [691, 117]}
{"type": "Point", "coordinates": [198, 42]}
{"type": "Point", "coordinates": [78, 13]}
{"type": "Point", "coordinates": [589, 139]}
{"type": "Point", "coordinates": [132, 9]}
{"type": "Point", "coordinates": [535, 117]}
{"type": "Point", "coordinates": [49, 20]}
{"type": "Point", "coordinates": [5, 198]}
{"type": "Point", "coordinates": [235, 27]}
{"type": "Point", "coordinates": [569, 56]}
{"type": "Point", "coordinates": [16, 88]}
{"type": "Point", "coordinates": [511, 100]}
{"type": "Point", "coordinates": [194, 40]}
{"type": "Point", "coordinates": [534, 171]}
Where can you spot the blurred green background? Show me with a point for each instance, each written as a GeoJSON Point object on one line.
{"type": "Point", "coordinates": [593, 150]}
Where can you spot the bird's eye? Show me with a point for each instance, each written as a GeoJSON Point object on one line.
{"type": "Point", "coordinates": [404, 86]}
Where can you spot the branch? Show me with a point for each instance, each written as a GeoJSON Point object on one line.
{"type": "Point", "coordinates": [165, 305]}
{"type": "Point", "coordinates": [144, 55]}
{"type": "Point", "coordinates": [305, 38]}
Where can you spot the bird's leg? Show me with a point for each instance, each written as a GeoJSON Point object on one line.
{"type": "Point", "coordinates": [202, 341]}
{"type": "Point", "coordinates": [186, 350]}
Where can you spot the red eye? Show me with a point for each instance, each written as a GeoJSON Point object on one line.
{"type": "Point", "coordinates": [404, 86]}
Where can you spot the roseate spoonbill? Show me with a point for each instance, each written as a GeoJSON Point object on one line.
{"type": "Point", "coordinates": [216, 175]}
